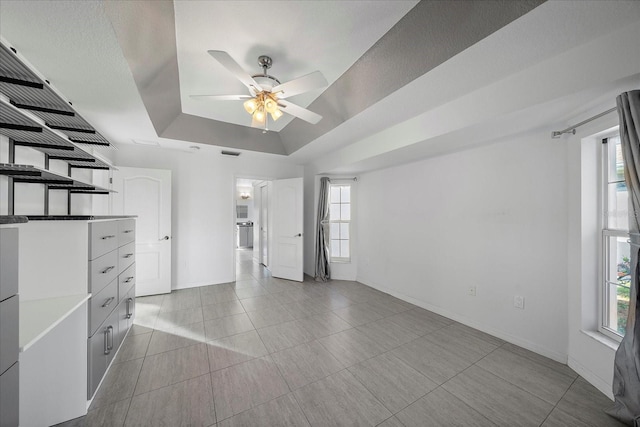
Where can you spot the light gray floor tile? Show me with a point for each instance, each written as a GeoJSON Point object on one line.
{"type": "Point", "coordinates": [270, 316]}
{"type": "Point", "coordinates": [531, 376]}
{"type": "Point", "coordinates": [340, 400]}
{"type": "Point", "coordinates": [229, 351]}
{"type": "Point", "coordinates": [243, 386]}
{"type": "Point", "coordinates": [468, 346]}
{"type": "Point", "coordinates": [222, 309]}
{"type": "Point", "coordinates": [284, 335]}
{"type": "Point", "coordinates": [138, 329]}
{"type": "Point", "coordinates": [212, 289]}
{"type": "Point", "coordinates": [385, 303]}
{"type": "Point", "coordinates": [274, 286]}
{"type": "Point", "coordinates": [306, 363]}
{"type": "Point", "coordinates": [585, 403]}
{"type": "Point", "coordinates": [552, 364]}
{"type": "Point", "coordinates": [282, 412]}
{"type": "Point", "coordinates": [392, 382]}
{"type": "Point", "coordinates": [188, 403]}
{"type": "Point", "coordinates": [118, 384]}
{"type": "Point", "coordinates": [324, 324]}
{"type": "Point", "coordinates": [441, 408]}
{"type": "Point", "coordinates": [262, 302]}
{"type": "Point", "coordinates": [246, 283]}
{"type": "Point", "coordinates": [181, 299]}
{"type": "Point", "coordinates": [171, 367]}
{"type": "Point", "coordinates": [306, 306]}
{"type": "Point", "coordinates": [358, 314]}
{"type": "Point", "coordinates": [171, 339]}
{"type": "Point", "coordinates": [559, 418]}
{"type": "Point", "coordinates": [351, 346]}
{"type": "Point", "coordinates": [111, 415]}
{"type": "Point", "coordinates": [332, 301]}
{"type": "Point", "coordinates": [391, 422]}
{"type": "Point", "coordinates": [456, 327]}
{"type": "Point", "coordinates": [172, 319]}
{"type": "Point", "coordinates": [216, 297]}
{"type": "Point", "coordinates": [433, 361]}
{"type": "Point", "coordinates": [498, 400]}
{"type": "Point", "coordinates": [387, 333]}
{"type": "Point", "coordinates": [251, 292]}
{"type": "Point", "coordinates": [290, 296]}
{"type": "Point", "coordinates": [226, 326]}
{"type": "Point", "coordinates": [417, 322]}
{"type": "Point", "coordinates": [133, 347]}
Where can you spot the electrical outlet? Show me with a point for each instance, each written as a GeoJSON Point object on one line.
{"type": "Point", "coordinates": [518, 302]}
{"type": "Point", "coordinates": [471, 291]}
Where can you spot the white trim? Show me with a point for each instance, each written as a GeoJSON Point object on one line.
{"type": "Point", "coordinates": [599, 383]}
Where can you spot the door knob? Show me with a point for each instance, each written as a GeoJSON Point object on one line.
{"type": "Point", "coordinates": [165, 238]}
{"type": "Point", "coordinates": [298, 235]}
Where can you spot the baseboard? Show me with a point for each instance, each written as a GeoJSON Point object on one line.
{"type": "Point", "coordinates": [551, 354]}
{"type": "Point", "coordinates": [599, 383]}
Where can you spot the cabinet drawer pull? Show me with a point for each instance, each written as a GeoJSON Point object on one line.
{"type": "Point", "coordinates": [111, 236]}
{"type": "Point", "coordinates": [108, 302]}
{"type": "Point", "coordinates": [129, 279]}
{"type": "Point", "coordinates": [108, 269]}
{"type": "Point", "coordinates": [128, 256]}
{"type": "Point", "coordinates": [127, 231]}
{"type": "Point", "coordinates": [129, 313]}
{"type": "Point", "coordinates": [108, 340]}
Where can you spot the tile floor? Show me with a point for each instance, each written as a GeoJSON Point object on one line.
{"type": "Point", "coordinates": [268, 352]}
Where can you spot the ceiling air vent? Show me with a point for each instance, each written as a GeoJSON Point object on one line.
{"type": "Point", "coordinates": [230, 153]}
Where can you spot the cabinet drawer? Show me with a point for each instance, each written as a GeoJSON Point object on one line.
{"type": "Point", "coordinates": [9, 333]}
{"type": "Point", "coordinates": [126, 281]}
{"type": "Point", "coordinates": [102, 347]}
{"type": "Point", "coordinates": [102, 271]}
{"type": "Point", "coordinates": [9, 392]}
{"type": "Point", "coordinates": [126, 231]}
{"type": "Point", "coordinates": [101, 305]}
{"type": "Point", "coordinates": [103, 238]}
{"type": "Point", "coordinates": [8, 262]}
{"type": "Point", "coordinates": [126, 256]}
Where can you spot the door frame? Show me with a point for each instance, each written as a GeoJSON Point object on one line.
{"type": "Point", "coordinates": [262, 179]}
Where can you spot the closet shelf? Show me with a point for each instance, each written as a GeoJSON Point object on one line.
{"type": "Point", "coordinates": [32, 174]}
{"type": "Point", "coordinates": [27, 130]}
{"type": "Point", "coordinates": [28, 91]}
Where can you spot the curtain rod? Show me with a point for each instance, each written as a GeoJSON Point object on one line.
{"type": "Point", "coordinates": [353, 178]}
{"type": "Point", "coordinates": [572, 129]}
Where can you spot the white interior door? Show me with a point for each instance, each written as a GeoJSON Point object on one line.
{"type": "Point", "coordinates": [287, 245]}
{"type": "Point", "coordinates": [147, 194]}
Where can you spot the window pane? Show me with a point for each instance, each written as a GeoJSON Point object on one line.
{"type": "Point", "coordinates": [345, 212]}
{"type": "Point", "coordinates": [335, 194]}
{"type": "Point", "coordinates": [335, 231]}
{"type": "Point", "coordinates": [344, 231]}
{"type": "Point", "coordinates": [618, 307]}
{"type": "Point", "coordinates": [345, 194]}
{"type": "Point", "coordinates": [618, 209]}
{"type": "Point", "coordinates": [616, 163]}
{"type": "Point", "coordinates": [335, 248]}
{"type": "Point", "coordinates": [344, 248]}
{"type": "Point", "coordinates": [618, 280]}
{"type": "Point", "coordinates": [334, 211]}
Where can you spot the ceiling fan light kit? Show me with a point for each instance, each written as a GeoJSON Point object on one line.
{"type": "Point", "coordinates": [267, 93]}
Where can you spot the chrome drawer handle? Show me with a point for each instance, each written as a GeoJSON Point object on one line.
{"type": "Point", "coordinates": [108, 302]}
{"type": "Point", "coordinates": [108, 269]}
{"type": "Point", "coordinates": [108, 237]}
{"type": "Point", "coordinates": [128, 256]}
{"type": "Point", "coordinates": [108, 347]}
{"type": "Point", "coordinates": [129, 313]}
{"type": "Point", "coordinates": [129, 279]}
{"type": "Point", "coordinates": [127, 231]}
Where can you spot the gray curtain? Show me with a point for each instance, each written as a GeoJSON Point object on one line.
{"type": "Point", "coordinates": [323, 272]}
{"type": "Point", "coordinates": [626, 375]}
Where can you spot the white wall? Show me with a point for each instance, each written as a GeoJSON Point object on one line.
{"type": "Point", "coordinates": [493, 217]}
{"type": "Point", "coordinates": [203, 205]}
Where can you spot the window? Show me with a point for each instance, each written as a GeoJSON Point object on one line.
{"type": "Point", "coordinates": [615, 237]}
{"type": "Point", "coordinates": [340, 222]}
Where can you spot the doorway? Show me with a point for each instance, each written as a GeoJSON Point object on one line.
{"type": "Point", "coordinates": [249, 240]}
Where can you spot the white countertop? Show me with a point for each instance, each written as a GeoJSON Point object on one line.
{"type": "Point", "coordinates": [38, 317]}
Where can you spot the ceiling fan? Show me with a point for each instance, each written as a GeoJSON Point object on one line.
{"type": "Point", "coordinates": [266, 94]}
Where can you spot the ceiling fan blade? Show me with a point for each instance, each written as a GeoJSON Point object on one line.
{"type": "Point", "coordinates": [302, 84]}
{"type": "Point", "coordinates": [299, 112]}
{"type": "Point", "coordinates": [222, 97]}
{"type": "Point", "coordinates": [230, 64]}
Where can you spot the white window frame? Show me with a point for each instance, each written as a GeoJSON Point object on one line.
{"type": "Point", "coordinates": [606, 234]}
{"type": "Point", "coordinates": [343, 260]}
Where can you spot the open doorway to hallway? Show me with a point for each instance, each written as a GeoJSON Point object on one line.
{"type": "Point", "coordinates": [251, 227]}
